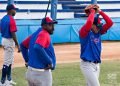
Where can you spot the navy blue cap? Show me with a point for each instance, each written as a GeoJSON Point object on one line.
{"type": "Point", "coordinates": [48, 20]}
{"type": "Point", "coordinates": [97, 22]}
{"type": "Point", "coordinates": [96, 17]}
{"type": "Point", "coordinates": [11, 7]}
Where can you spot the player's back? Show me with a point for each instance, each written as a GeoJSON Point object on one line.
{"type": "Point", "coordinates": [5, 26]}
{"type": "Point", "coordinates": [33, 39]}
{"type": "Point", "coordinates": [34, 60]}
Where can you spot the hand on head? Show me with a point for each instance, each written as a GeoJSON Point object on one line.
{"type": "Point", "coordinates": [90, 7]}
{"type": "Point", "coordinates": [96, 7]}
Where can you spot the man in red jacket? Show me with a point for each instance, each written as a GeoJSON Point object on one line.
{"type": "Point", "coordinates": [90, 38]}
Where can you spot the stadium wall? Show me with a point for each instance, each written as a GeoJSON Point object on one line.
{"type": "Point", "coordinates": [65, 30]}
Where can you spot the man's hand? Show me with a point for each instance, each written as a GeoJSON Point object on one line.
{"type": "Point", "coordinates": [48, 67]}
{"type": "Point", "coordinates": [19, 50]}
{"type": "Point", "coordinates": [15, 40]}
{"type": "Point", "coordinates": [96, 7]}
{"type": "Point", "coordinates": [26, 65]}
{"type": "Point", "coordinates": [90, 7]}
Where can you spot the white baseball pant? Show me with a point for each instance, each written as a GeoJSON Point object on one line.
{"type": "Point", "coordinates": [8, 45]}
{"type": "Point", "coordinates": [39, 77]}
{"type": "Point", "coordinates": [91, 72]}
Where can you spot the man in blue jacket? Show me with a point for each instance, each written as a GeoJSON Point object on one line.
{"type": "Point", "coordinates": [39, 55]}
{"type": "Point", "coordinates": [8, 31]}
{"type": "Point", "coordinates": [91, 44]}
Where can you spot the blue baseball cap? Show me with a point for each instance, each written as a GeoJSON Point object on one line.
{"type": "Point", "coordinates": [11, 7]}
{"type": "Point", "coordinates": [97, 21]}
{"type": "Point", "coordinates": [96, 17]}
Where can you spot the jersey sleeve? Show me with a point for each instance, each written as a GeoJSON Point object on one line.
{"type": "Point", "coordinates": [108, 23]}
{"type": "Point", "coordinates": [43, 39]}
{"type": "Point", "coordinates": [88, 25]}
{"type": "Point", "coordinates": [13, 27]}
{"type": "Point", "coordinates": [26, 42]}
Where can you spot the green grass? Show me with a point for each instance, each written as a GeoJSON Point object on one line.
{"type": "Point", "coordinates": [70, 75]}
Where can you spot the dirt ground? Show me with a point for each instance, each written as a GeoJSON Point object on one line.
{"type": "Point", "coordinates": [67, 53]}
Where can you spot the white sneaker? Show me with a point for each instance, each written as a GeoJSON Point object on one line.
{"type": "Point", "coordinates": [3, 84]}
{"type": "Point", "coordinates": [11, 82]}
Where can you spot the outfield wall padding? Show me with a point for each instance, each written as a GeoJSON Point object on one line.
{"type": "Point", "coordinates": [65, 31]}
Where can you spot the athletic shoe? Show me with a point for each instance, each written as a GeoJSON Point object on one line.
{"type": "Point", "coordinates": [11, 82]}
{"type": "Point", "coordinates": [3, 84]}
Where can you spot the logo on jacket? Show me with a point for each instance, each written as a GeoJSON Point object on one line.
{"type": "Point", "coordinates": [96, 40]}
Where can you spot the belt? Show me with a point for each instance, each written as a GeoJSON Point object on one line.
{"type": "Point", "coordinates": [40, 70]}
{"type": "Point", "coordinates": [96, 62]}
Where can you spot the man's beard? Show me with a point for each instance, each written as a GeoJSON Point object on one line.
{"type": "Point", "coordinates": [51, 32]}
{"type": "Point", "coordinates": [13, 14]}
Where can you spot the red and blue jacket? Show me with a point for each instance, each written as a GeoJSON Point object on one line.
{"type": "Point", "coordinates": [90, 41]}
{"type": "Point", "coordinates": [38, 50]}
{"type": "Point", "coordinates": [7, 26]}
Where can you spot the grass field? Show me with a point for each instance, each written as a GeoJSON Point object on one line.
{"type": "Point", "coordinates": [70, 75]}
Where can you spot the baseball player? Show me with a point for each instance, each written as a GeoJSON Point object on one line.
{"type": "Point", "coordinates": [39, 56]}
{"type": "Point", "coordinates": [90, 38]}
{"type": "Point", "coordinates": [8, 29]}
